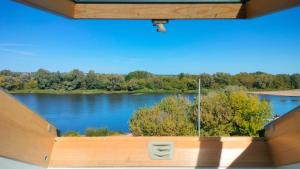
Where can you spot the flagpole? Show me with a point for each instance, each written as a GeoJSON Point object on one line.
{"type": "Point", "coordinates": [199, 97]}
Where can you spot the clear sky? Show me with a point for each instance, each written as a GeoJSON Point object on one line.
{"type": "Point", "coordinates": [32, 39]}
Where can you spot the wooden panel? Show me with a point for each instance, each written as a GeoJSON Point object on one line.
{"type": "Point", "coordinates": [133, 152]}
{"type": "Point", "coordinates": [138, 11]}
{"type": "Point", "coordinates": [283, 137]}
{"type": "Point", "coordinates": [24, 135]}
{"type": "Point", "coordinates": [251, 9]}
{"type": "Point", "coordinates": [158, 11]}
{"type": "Point", "coordinates": [256, 8]}
{"type": "Point", "coordinates": [62, 7]}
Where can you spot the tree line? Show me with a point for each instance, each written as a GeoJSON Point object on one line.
{"type": "Point", "coordinates": [142, 80]}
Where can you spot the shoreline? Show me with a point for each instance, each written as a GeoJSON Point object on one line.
{"type": "Point", "coordinates": [291, 93]}
{"type": "Point", "coordinates": [64, 92]}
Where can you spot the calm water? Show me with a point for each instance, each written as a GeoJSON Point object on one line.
{"type": "Point", "coordinates": [78, 112]}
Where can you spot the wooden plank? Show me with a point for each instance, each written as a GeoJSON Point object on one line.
{"type": "Point", "coordinates": [24, 135]}
{"type": "Point", "coordinates": [62, 7]}
{"type": "Point", "coordinates": [256, 8]}
{"type": "Point", "coordinates": [283, 137]}
{"type": "Point", "coordinates": [126, 151]}
{"type": "Point", "coordinates": [158, 11]}
{"type": "Point", "coordinates": [252, 8]}
{"type": "Point", "coordinates": [287, 123]}
{"type": "Point", "coordinates": [139, 11]}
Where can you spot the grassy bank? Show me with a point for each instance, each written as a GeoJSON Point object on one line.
{"type": "Point", "coordinates": [149, 91]}
{"type": "Point", "coordinates": [39, 91]}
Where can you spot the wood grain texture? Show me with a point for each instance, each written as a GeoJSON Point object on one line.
{"type": "Point", "coordinates": [252, 8]}
{"type": "Point", "coordinates": [283, 137]}
{"type": "Point", "coordinates": [256, 8]}
{"type": "Point", "coordinates": [24, 135]}
{"type": "Point", "coordinates": [123, 151]}
{"type": "Point", "coordinates": [157, 11]}
{"type": "Point", "coordinates": [61, 7]}
{"type": "Point", "coordinates": [138, 11]}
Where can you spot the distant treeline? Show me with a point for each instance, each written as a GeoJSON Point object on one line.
{"type": "Point", "coordinates": [142, 80]}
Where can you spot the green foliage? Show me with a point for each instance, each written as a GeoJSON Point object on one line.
{"type": "Point", "coordinates": [138, 75]}
{"type": "Point", "coordinates": [295, 80]}
{"type": "Point", "coordinates": [142, 81]}
{"type": "Point", "coordinates": [230, 112]}
{"type": "Point", "coordinates": [116, 82]}
{"type": "Point", "coordinates": [170, 117]}
{"type": "Point", "coordinates": [91, 80]}
{"type": "Point", "coordinates": [93, 132]}
{"type": "Point", "coordinates": [71, 134]}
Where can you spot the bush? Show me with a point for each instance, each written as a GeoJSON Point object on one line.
{"type": "Point", "coordinates": [71, 134]}
{"type": "Point", "coordinates": [232, 113]}
{"type": "Point", "coordinates": [225, 113]}
{"type": "Point", "coordinates": [92, 132]}
{"type": "Point", "coordinates": [170, 117]}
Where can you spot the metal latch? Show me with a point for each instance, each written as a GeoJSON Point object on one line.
{"type": "Point", "coordinates": [161, 150]}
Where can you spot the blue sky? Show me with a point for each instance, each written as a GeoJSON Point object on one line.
{"type": "Point", "coordinates": [32, 39]}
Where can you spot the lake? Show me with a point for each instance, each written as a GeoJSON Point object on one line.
{"type": "Point", "coordinates": [113, 111]}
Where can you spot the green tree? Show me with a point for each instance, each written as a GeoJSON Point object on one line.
{"type": "Point", "coordinates": [91, 80]}
{"type": "Point", "coordinates": [263, 81]}
{"type": "Point", "coordinates": [245, 79]}
{"type": "Point", "coordinates": [282, 81]}
{"type": "Point", "coordinates": [222, 79]}
{"type": "Point", "coordinates": [10, 83]}
{"type": "Point", "coordinates": [31, 84]}
{"type": "Point", "coordinates": [74, 80]}
{"type": "Point", "coordinates": [295, 81]}
{"type": "Point", "coordinates": [116, 82]}
{"type": "Point", "coordinates": [207, 81]}
{"type": "Point", "coordinates": [138, 75]}
{"type": "Point", "coordinates": [6, 72]}
{"type": "Point", "coordinates": [43, 79]}
{"type": "Point", "coordinates": [134, 85]}
{"type": "Point", "coordinates": [232, 113]}
{"type": "Point", "coordinates": [170, 117]}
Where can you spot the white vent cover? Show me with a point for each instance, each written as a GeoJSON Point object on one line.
{"type": "Point", "coordinates": [161, 150]}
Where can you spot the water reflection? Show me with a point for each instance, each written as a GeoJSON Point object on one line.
{"type": "Point", "coordinates": [78, 112]}
{"type": "Point", "coordinates": [282, 104]}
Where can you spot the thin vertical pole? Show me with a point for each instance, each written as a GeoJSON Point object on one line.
{"type": "Point", "coordinates": [199, 97]}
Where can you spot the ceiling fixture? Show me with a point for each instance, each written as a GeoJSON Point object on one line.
{"type": "Point", "coordinates": [160, 24]}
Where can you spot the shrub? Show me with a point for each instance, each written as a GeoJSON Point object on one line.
{"type": "Point", "coordinates": [233, 113]}
{"type": "Point", "coordinates": [71, 134]}
{"type": "Point", "coordinates": [170, 117]}
{"type": "Point", "coordinates": [229, 112]}
{"type": "Point", "coordinates": [94, 132]}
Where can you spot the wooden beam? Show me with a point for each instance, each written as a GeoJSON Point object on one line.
{"type": "Point", "coordinates": [61, 7]}
{"type": "Point", "coordinates": [252, 8]}
{"type": "Point", "coordinates": [139, 11]}
{"type": "Point", "coordinates": [158, 11]}
{"type": "Point", "coordinates": [256, 8]}
{"type": "Point", "coordinates": [126, 151]}
{"type": "Point", "coordinates": [24, 135]}
{"type": "Point", "coordinates": [283, 137]}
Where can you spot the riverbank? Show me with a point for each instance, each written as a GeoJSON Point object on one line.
{"type": "Point", "coordinates": [295, 92]}
{"type": "Point", "coordinates": [146, 91]}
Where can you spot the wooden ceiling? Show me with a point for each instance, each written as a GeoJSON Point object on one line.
{"type": "Point", "coordinates": [249, 9]}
